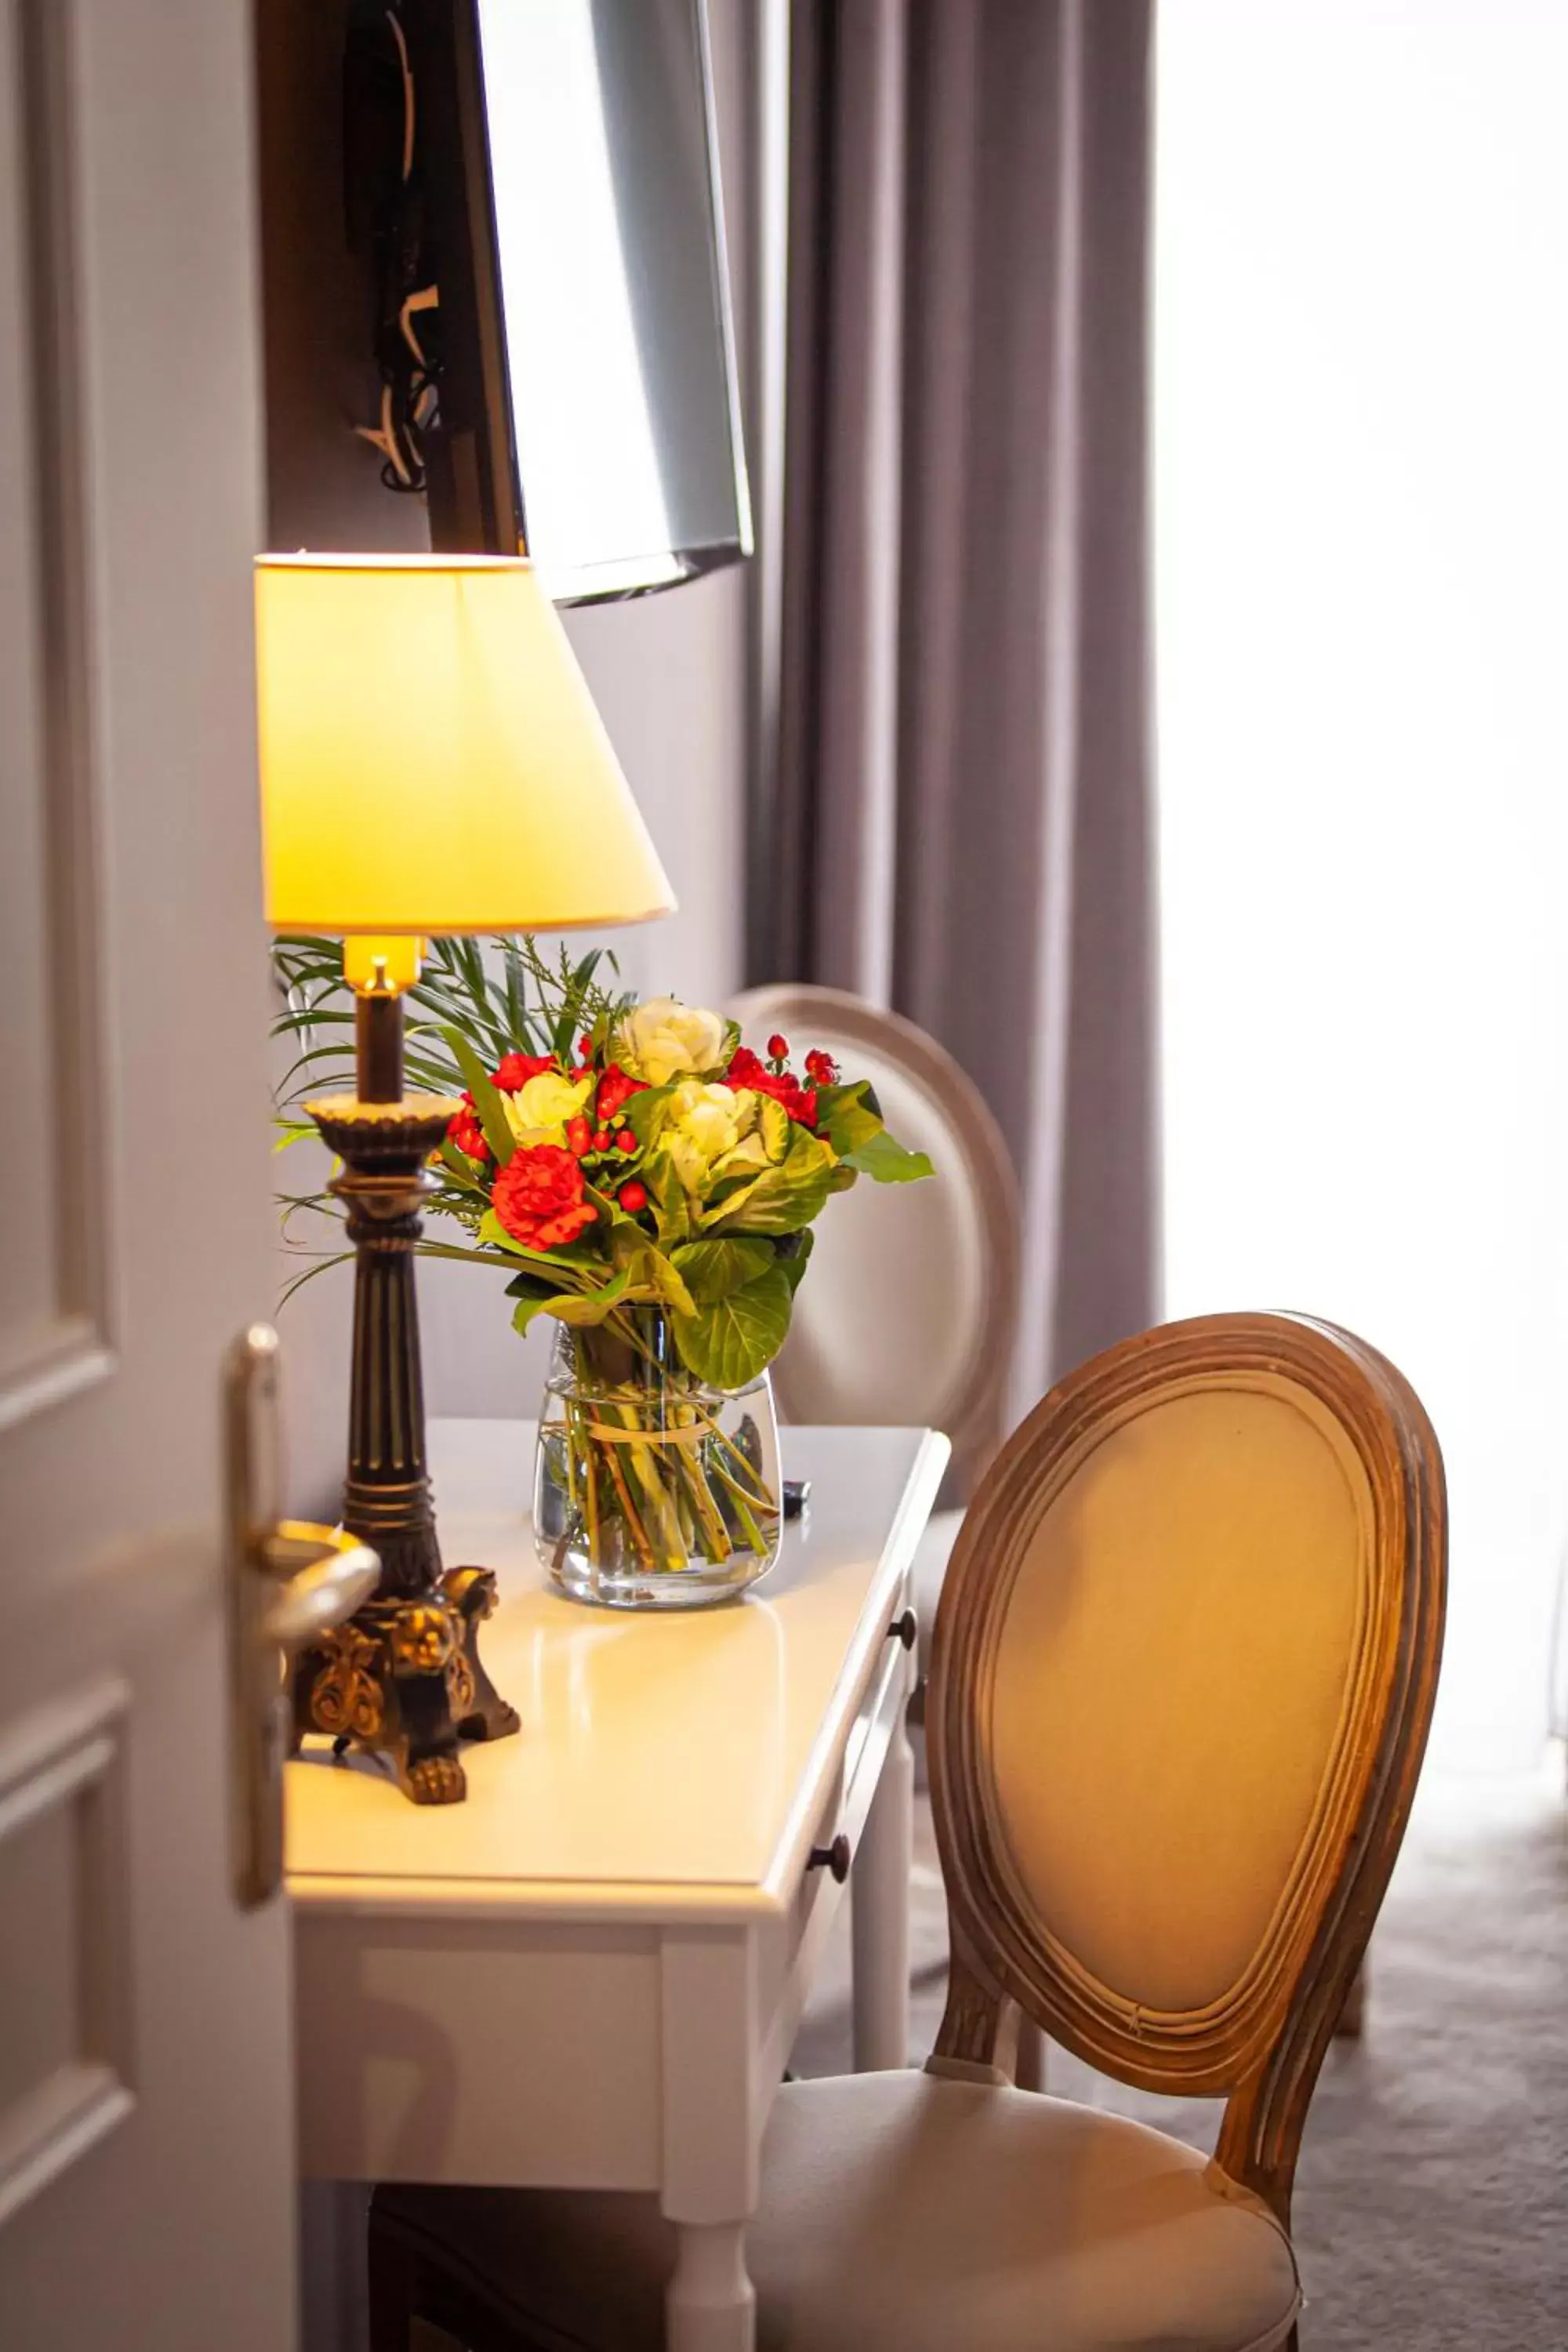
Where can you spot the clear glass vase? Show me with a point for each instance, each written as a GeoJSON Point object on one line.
{"type": "Point", "coordinates": [652, 1490]}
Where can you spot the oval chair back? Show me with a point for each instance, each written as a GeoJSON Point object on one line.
{"type": "Point", "coordinates": [1183, 1674]}
{"type": "Point", "coordinates": [908, 1313]}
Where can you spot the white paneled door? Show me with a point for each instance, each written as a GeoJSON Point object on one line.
{"type": "Point", "coordinates": [146, 2153]}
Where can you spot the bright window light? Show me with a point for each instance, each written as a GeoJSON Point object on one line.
{"type": "Point", "coordinates": [1360, 423]}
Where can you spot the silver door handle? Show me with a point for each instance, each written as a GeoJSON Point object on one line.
{"type": "Point", "coordinates": [288, 1582]}
{"type": "Point", "coordinates": [321, 1575]}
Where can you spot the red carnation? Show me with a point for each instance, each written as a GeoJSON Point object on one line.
{"type": "Point", "coordinates": [746, 1070]}
{"type": "Point", "coordinates": [616, 1089]}
{"type": "Point", "coordinates": [538, 1196]}
{"type": "Point", "coordinates": [466, 1132]}
{"type": "Point", "coordinates": [516, 1070]}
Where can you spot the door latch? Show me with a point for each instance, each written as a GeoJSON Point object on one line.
{"type": "Point", "coordinates": [287, 1581]}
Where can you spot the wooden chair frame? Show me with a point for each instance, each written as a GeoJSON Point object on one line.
{"type": "Point", "coordinates": [1261, 2046]}
{"type": "Point", "coordinates": [974, 1418]}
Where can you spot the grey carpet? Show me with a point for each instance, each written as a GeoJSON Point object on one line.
{"type": "Point", "coordinates": [1432, 2202]}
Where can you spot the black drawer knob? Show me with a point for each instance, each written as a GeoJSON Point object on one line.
{"type": "Point", "coordinates": [905, 1629]}
{"type": "Point", "coordinates": [833, 1857]}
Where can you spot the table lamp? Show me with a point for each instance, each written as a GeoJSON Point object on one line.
{"type": "Point", "coordinates": [431, 762]}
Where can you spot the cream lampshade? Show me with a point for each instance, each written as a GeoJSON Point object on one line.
{"type": "Point", "coordinates": [431, 758]}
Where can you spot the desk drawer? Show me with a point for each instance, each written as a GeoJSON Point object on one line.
{"type": "Point", "coordinates": [791, 1965]}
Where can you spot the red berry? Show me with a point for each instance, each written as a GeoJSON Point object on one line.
{"type": "Point", "coordinates": [578, 1137]}
{"type": "Point", "coordinates": [468, 1134]}
{"type": "Point", "coordinates": [584, 1044]}
{"type": "Point", "coordinates": [633, 1197]}
{"type": "Point", "coordinates": [601, 1138]}
{"type": "Point", "coordinates": [778, 1047]}
{"type": "Point", "coordinates": [625, 1141]}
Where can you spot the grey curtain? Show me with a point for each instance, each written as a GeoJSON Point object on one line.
{"type": "Point", "coordinates": [963, 824]}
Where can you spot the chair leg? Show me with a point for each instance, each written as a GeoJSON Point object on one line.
{"type": "Point", "coordinates": [1030, 2072]}
{"type": "Point", "coordinates": [1353, 2014]}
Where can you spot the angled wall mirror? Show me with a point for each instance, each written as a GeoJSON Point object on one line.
{"type": "Point", "coordinates": [567, 207]}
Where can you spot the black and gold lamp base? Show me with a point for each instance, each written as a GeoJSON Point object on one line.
{"type": "Point", "coordinates": [403, 1678]}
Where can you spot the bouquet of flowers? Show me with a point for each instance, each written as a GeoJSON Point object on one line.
{"type": "Point", "coordinates": [650, 1182]}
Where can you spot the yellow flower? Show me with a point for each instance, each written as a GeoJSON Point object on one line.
{"type": "Point", "coordinates": [764, 1137]}
{"type": "Point", "coordinates": [539, 1110]}
{"type": "Point", "coordinates": [662, 1040]}
{"type": "Point", "coordinates": [701, 1124]}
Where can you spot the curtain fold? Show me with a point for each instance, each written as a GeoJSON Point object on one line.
{"type": "Point", "coordinates": [963, 824]}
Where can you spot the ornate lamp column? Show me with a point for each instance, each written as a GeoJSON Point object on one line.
{"type": "Point", "coordinates": [404, 1674]}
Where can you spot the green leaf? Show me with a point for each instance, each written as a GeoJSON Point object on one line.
{"type": "Point", "coordinates": [565, 1033]}
{"type": "Point", "coordinates": [782, 1199]}
{"type": "Point", "coordinates": [571, 1260]}
{"type": "Point", "coordinates": [711, 1270]}
{"type": "Point", "coordinates": [473, 1256]}
{"type": "Point", "coordinates": [487, 1101]}
{"type": "Point", "coordinates": [531, 1282]}
{"type": "Point", "coordinates": [887, 1162]}
{"type": "Point", "coordinates": [852, 1122]}
{"type": "Point", "coordinates": [629, 1243]}
{"type": "Point", "coordinates": [323, 1265]}
{"type": "Point", "coordinates": [581, 1308]}
{"type": "Point", "coordinates": [774, 1122]}
{"type": "Point", "coordinates": [491, 1230]}
{"type": "Point", "coordinates": [846, 1115]}
{"type": "Point", "coordinates": [672, 1209]}
{"type": "Point", "coordinates": [641, 1112]}
{"type": "Point", "coordinates": [651, 1274]}
{"type": "Point", "coordinates": [731, 1341]}
{"type": "Point", "coordinates": [516, 1004]}
{"type": "Point", "coordinates": [587, 1307]}
{"type": "Point", "coordinates": [461, 1170]}
{"type": "Point", "coordinates": [794, 1262]}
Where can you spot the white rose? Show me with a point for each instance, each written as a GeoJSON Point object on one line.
{"type": "Point", "coordinates": [662, 1040]}
{"type": "Point", "coordinates": [539, 1110]}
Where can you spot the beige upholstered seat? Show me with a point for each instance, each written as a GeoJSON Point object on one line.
{"type": "Point", "coordinates": [922, 2215]}
{"type": "Point", "coordinates": [1184, 1671]}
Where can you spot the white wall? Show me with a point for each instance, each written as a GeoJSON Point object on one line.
{"type": "Point", "coordinates": [1362, 469]}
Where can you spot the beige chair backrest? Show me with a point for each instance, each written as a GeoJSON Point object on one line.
{"type": "Point", "coordinates": [910, 1310]}
{"type": "Point", "coordinates": [1183, 1673]}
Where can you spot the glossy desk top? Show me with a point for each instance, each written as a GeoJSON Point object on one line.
{"type": "Point", "coordinates": [666, 1762]}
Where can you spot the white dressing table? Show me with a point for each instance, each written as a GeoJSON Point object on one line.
{"type": "Point", "coordinates": [590, 1974]}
